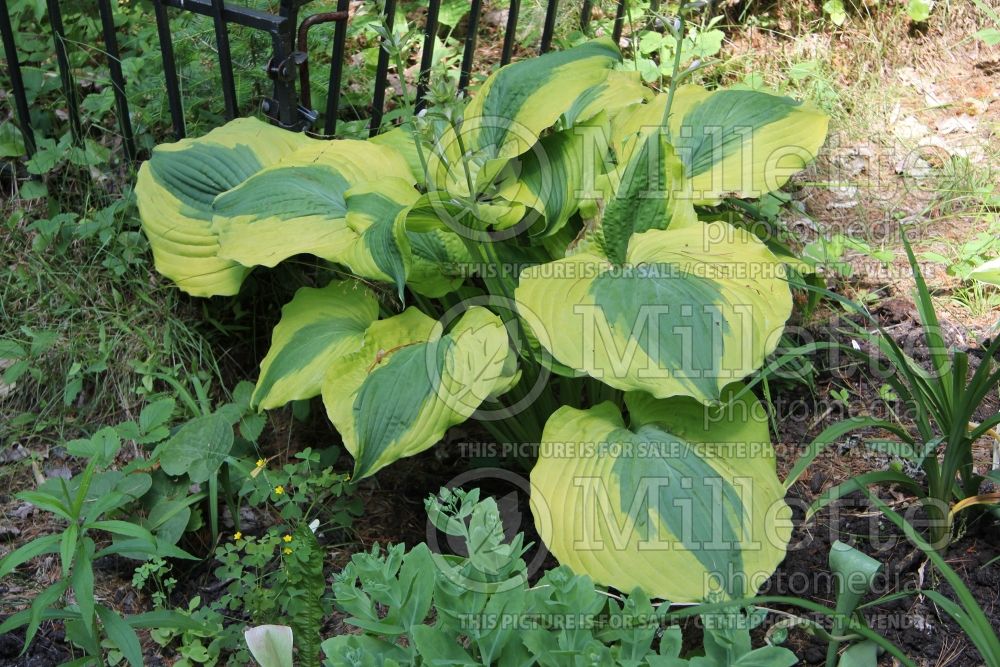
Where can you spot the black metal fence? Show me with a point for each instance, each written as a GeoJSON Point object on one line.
{"type": "Point", "coordinates": [289, 106]}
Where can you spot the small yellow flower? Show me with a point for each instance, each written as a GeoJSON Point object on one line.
{"type": "Point", "coordinates": [286, 551]}
{"type": "Point", "coordinates": [287, 538]}
{"type": "Point", "coordinates": [237, 535]}
{"type": "Point", "coordinates": [261, 463]}
{"type": "Point", "coordinates": [278, 490]}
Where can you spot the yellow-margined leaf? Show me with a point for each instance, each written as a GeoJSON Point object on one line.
{"type": "Point", "coordinates": [689, 311]}
{"type": "Point", "coordinates": [733, 142]}
{"type": "Point", "coordinates": [317, 327]}
{"type": "Point", "coordinates": [684, 502]}
{"type": "Point", "coordinates": [408, 383]}
{"type": "Point", "coordinates": [177, 186]}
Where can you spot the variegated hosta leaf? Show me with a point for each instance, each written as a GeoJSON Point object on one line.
{"type": "Point", "coordinates": [646, 196]}
{"type": "Point", "coordinates": [439, 262]}
{"type": "Point", "coordinates": [300, 204]}
{"type": "Point", "coordinates": [317, 327]}
{"type": "Point", "coordinates": [401, 140]}
{"type": "Point", "coordinates": [619, 91]}
{"type": "Point", "coordinates": [376, 214]}
{"type": "Point", "coordinates": [408, 383]}
{"type": "Point", "coordinates": [733, 142]}
{"type": "Point", "coordinates": [691, 310]}
{"type": "Point", "coordinates": [562, 171]}
{"type": "Point", "coordinates": [175, 191]}
{"type": "Point", "coordinates": [437, 210]}
{"type": "Point", "coordinates": [513, 107]}
{"type": "Point", "coordinates": [550, 177]}
{"type": "Point", "coordinates": [684, 502]}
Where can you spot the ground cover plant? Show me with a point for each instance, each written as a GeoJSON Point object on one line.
{"type": "Point", "coordinates": [605, 362]}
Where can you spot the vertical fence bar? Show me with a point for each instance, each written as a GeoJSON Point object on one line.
{"type": "Point", "coordinates": [382, 73]}
{"type": "Point", "coordinates": [169, 69]}
{"type": "Point", "coordinates": [16, 81]}
{"type": "Point", "coordinates": [511, 34]}
{"type": "Point", "coordinates": [616, 35]}
{"type": "Point", "coordinates": [225, 58]}
{"type": "Point", "coordinates": [59, 40]}
{"type": "Point", "coordinates": [284, 60]}
{"type": "Point", "coordinates": [585, 15]}
{"type": "Point", "coordinates": [117, 78]}
{"type": "Point", "coordinates": [470, 46]}
{"type": "Point", "coordinates": [336, 71]}
{"type": "Point", "coordinates": [427, 56]}
{"type": "Point", "coordinates": [550, 26]}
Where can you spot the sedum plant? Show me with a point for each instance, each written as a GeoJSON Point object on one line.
{"type": "Point", "coordinates": [531, 259]}
{"type": "Point", "coordinates": [418, 608]}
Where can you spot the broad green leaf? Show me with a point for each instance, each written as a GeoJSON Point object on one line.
{"type": "Point", "coordinates": [343, 651]}
{"type": "Point", "coordinates": [156, 414]}
{"type": "Point", "coordinates": [11, 141]}
{"type": "Point", "coordinates": [42, 602]}
{"type": "Point", "coordinates": [439, 262]}
{"type": "Point", "coordinates": [197, 449]}
{"type": "Point", "coordinates": [854, 572]}
{"type": "Point", "coordinates": [684, 503]}
{"type": "Point", "coordinates": [671, 642]}
{"type": "Point", "coordinates": [513, 107]}
{"type": "Point", "coordinates": [41, 545]}
{"type": "Point", "coordinates": [103, 446]}
{"type": "Point", "coordinates": [989, 36]}
{"type": "Point", "coordinates": [646, 197]}
{"type": "Point", "coordinates": [166, 618]}
{"type": "Point", "coordinates": [733, 142]}
{"type": "Point", "coordinates": [299, 205]}
{"type": "Point", "coordinates": [619, 91]}
{"type": "Point", "coordinates": [836, 10]}
{"type": "Point", "coordinates": [400, 139]}
{"type": "Point", "coordinates": [988, 272]}
{"type": "Point", "coordinates": [168, 519]}
{"type": "Point", "coordinates": [549, 178]}
{"type": "Point", "coordinates": [376, 213]}
{"type": "Point", "coordinates": [46, 501]}
{"type": "Point", "coordinates": [317, 326]}
{"type": "Point", "coordinates": [439, 648]}
{"type": "Point", "coordinates": [67, 545]}
{"type": "Point", "coordinates": [122, 635]}
{"type": "Point", "coordinates": [862, 654]}
{"type": "Point", "coordinates": [767, 656]}
{"type": "Point", "coordinates": [919, 10]}
{"type": "Point", "coordinates": [175, 191]}
{"type": "Point", "coordinates": [408, 384]}
{"type": "Point", "coordinates": [692, 310]}
{"type": "Point", "coordinates": [438, 211]}
{"type": "Point", "coordinates": [270, 645]}
{"type": "Point", "coordinates": [82, 582]}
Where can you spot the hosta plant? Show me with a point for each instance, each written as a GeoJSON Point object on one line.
{"type": "Point", "coordinates": [533, 260]}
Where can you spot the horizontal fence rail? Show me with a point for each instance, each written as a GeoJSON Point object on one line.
{"type": "Point", "coordinates": [288, 67]}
